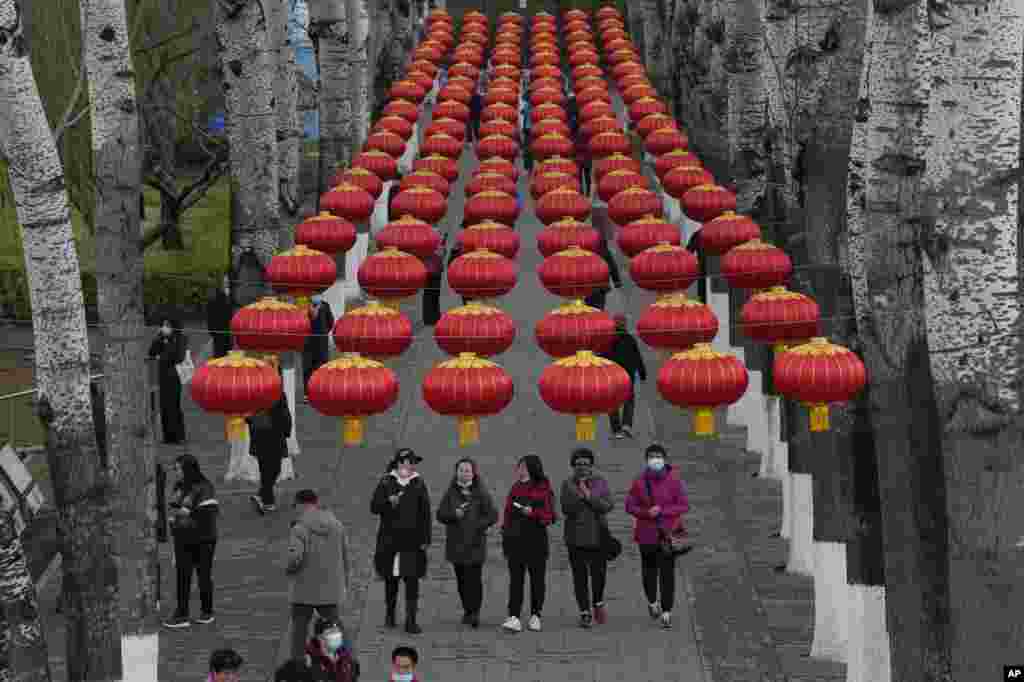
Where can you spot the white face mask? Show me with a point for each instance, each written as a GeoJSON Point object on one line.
{"type": "Point", "coordinates": [656, 463]}
{"type": "Point", "coordinates": [332, 642]}
{"type": "Point", "coordinates": [165, 330]}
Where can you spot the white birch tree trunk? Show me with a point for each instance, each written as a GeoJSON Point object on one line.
{"type": "Point", "coordinates": [25, 655]}
{"type": "Point", "coordinates": [81, 479]}
{"type": "Point", "coordinates": [249, 70]}
{"type": "Point", "coordinates": [131, 448]}
{"type": "Point", "coordinates": [330, 30]}
{"type": "Point", "coordinates": [362, 71]}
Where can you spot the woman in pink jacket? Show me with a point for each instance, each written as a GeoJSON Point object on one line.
{"type": "Point", "coordinates": [657, 499]}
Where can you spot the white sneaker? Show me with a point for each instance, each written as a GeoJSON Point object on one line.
{"type": "Point", "coordinates": [534, 625]}
{"type": "Point", "coordinates": [512, 624]}
{"type": "Point", "coordinates": [666, 620]}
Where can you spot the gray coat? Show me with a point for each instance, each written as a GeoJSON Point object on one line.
{"type": "Point", "coordinates": [318, 559]}
{"type": "Point", "coordinates": [466, 541]}
{"type": "Point", "coordinates": [583, 517]}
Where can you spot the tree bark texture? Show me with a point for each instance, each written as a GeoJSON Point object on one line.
{"type": "Point", "coordinates": [885, 191]}
{"type": "Point", "coordinates": [401, 37]}
{"type": "Point", "coordinates": [329, 29]}
{"type": "Point", "coordinates": [289, 127]}
{"type": "Point", "coordinates": [249, 71]}
{"type": "Point", "coordinates": [381, 43]}
{"type": "Point", "coordinates": [747, 103]}
{"type": "Point", "coordinates": [78, 469]}
{"type": "Point", "coordinates": [130, 445]}
{"type": "Point", "coordinates": [362, 71]}
{"type": "Point", "coordinates": [23, 650]}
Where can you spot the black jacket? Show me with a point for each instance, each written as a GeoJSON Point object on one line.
{"type": "Point", "coordinates": [219, 310]}
{"type": "Point", "coordinates": [269, 431]}
{"type": "Point", "coordinates": [466, 538]}
{"type": "Point", "coordinates": [322, 324]}
{"type": "Point", "coordinates": [626, 352]}
{"type": "Point", "coordinates": [406, 527]}
{"type": "Point", "coordinates": [201, 523]}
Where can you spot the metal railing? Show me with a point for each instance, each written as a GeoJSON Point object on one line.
{"type": "Point", "coordinates": [9, 404]}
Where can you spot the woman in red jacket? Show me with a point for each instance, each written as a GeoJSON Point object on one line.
{"type": "Point", "coordinates": [657, 499]}
{"type": "Point", "coordinates": [529, 510]}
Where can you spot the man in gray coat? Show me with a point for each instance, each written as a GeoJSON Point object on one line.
{"type": "Point", "coordinates": [319, 564]}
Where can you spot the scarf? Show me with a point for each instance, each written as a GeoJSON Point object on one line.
{"type": "Point", "coordinates": [404, 481]}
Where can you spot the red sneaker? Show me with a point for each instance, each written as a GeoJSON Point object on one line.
{"type": "Point", "coordinates": [600, 614]}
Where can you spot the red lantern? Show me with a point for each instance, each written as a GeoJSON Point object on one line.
{"type": "Point", "coordinates": [613, 34]}
{"type": "Point", "coordinates": [482, 274]}
{"type": "Point", "coordinates": [505, 112]}
{"type": "Point", "coordinates": [468, 387]}
{"type": "Point", "coordinates": [633, 204]}
{"type": "Point", "coordinates": [498, 145]}
{"type": "Point", "coordinates": [475, 328]}
{"type": "Point", "coordinates": [675, 323]}
{"type": "Point", "coordinates": [566, 233]}
{"type": "Point", "coordinates": [596, 109]}
{"type": "Point", "coordinates": [427, 67]}
{"type": "Point", "coordinates": [593, 82]}
{"type": "Point", "coordinates": [705, 203]}
{"type": "Point", "coordinates": [818, 373]}
{"type": "Point", "coordinates": [628, 68]}
{"type": "Point", "coordinates": [362, 178]}
{"type": "Point", "coordinates": [585, 70]}
{"type": "Point", "coordinates": [444, 145]}
{"type": "Point", "coordinates": [400, 107]}
{"type": "Point", "coordinates": [447, 126]}
{"type": "Point", "coordinates": [575, 15]}
{"type": "Point", "coordinates": [491, 236]}
{"type": "Point", "coordinates": [606, 144]}
{"type": "Point", "coordinates": [301, 272]}
{"type": "Point", "coordinates": [391, 275]}
{"type": "Point", "coordinates": [727, 231]}
{"type": "Point", "coordinates": [483, 182]}
{"type": "Point", "coordinates": [421, 79]}
{"type": "Point", "coordinates": [547, 96]}
{"type": "Point", "coordinates": [410, 235]}
{"type": "Point", "coordinates": [383, 165]}
{"type": "Point", "coordinates": [779, 317]}
{"type": "Point", "coordinates": [546, 111]}
{"type": "Point", "coordinates": [619, 181]}
{"type": "Point", "coordinates": [498, 126]}
{"type": "Point", "coordinates": [664, 268]}
{"type": "Point", "coordinates": [584, 57]}
{"type": "Point", "coordinates": [638, 236]}
{"type": "Point", "coordinates": [584, 385]}
{"type": "Point", "coordinates": [592, 94]}
{"type": "Point", "coordinates": [389, 143]}
{"type": "Point", "coordinates": [558, 164]}
{"type": "Point", "coordinates": [442, 165]}
{"type": "Point", "coordinates": [497, 95]}
{"type": "Point", "coordinates": [420, 202]}
{"type": "Point", "coordinates": [546, 182]}
{"type": "Point", "coordinates": [610, 164]}
{"type": "Point", "coordinates": [352, 388]}
{"type": "Point", "coordinates": [574, 327]}
{"type": "Point", "coordinates": [674, 159]}
{"type": "Point", "coordinates": [551, 145]}
{"type": "Point", "coordinates": [425, 178]}
{"type": "Point", "coordinates": [562, 202]}
{"type": "Point", "coordinates": [622, 56]}
{"type": "Point", "coordinates": [374, 330]}
{"type": "Point", "coordinates": [407, 89]}
{"type": "Point", "coordinates": [453, 109]}
{"type": "Point", "coordinates": [665, 140]}
{"type": "Point", "coordinates": [573, 273]}
{"type": "Point", "coordinates": [638, 91]}
{"type": "Point", "coordinates": [498, 165]}
{"type": "Point", "coordinates": [491, 205]}
{"type": "Point", "coordinates": [472, 54]}
{"type": "Point", "coordinates": [454, 92]}
{"type": "Point", "coordinates": [545, 71]}
{"type": "Point", "coordinates": [601, 124]}
{"type": "Point", "coordinates": [464, 69]}
{"type": "Point", "coordinates": [681, 179]}
{"type": "Point", "coordinates": [347, 201]}
{"type": "Point", "coordinates": [645, 106]}
{"type": "Point", "coordinates": [551, 126]}
{"type": "Point", "coordinates": [270, 326]}
{"type": "Point", "coordinates": [626, 82]}
{"type": "Point", "coordinates": [649, 124]}
{"type": "Point", "coordinates": [326, 233]}
{"type": "Point", "coordinates": [754, 265]}
{"type": "Point", "coordinates": [702, 379]}
{"type": "Point", "coordinates": [237, 387]}
{"type": "Point", "coordinates": [508, 71]}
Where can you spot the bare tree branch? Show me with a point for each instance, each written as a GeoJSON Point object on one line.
{"type": "Point", "coordinates": [209, 177]}
{"type": "Point", "coordinates": [166, 40]}
{"type": "Point", "coordinates": [69, 119]}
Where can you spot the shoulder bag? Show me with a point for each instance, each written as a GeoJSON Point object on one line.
{"type": "Point", "coordinates": [675, 541]}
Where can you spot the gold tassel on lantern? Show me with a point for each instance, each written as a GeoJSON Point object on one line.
{"type": "Point", "coordinates": [352, 431]}
{"type": "Point", "coordinates": [234, 428]}
{"type": "Point", "coordinates": [586, 427]}
{"type": "Point", "coordinates": [778, 348]}
{"type": "Point", "coordinates": [704, 421]}
{"type": "Point", "coordinates": [469, 431]}
{"type": "Point", "coordinates": [303, 302]}
{"type": "Point", "coordinates": [819, 417]}
{"type": "Point", "coordinates": [392, 304]}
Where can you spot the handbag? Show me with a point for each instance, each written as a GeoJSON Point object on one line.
{"type": "Point", "coordinates": [611, 548]}
{"type": "Point", "coordinates": [186, 368]}
{"type": "Point", "coordinates": [674, 541]}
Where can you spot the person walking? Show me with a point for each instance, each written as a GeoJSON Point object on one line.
{"type": "Point", "coordinates": [529, 510]}
{"type": "Point", "coordinates": [225, 666]}
{"type": "Point", "coordinates": [329, 655]}
{"type": "Point", "coordinates": [403, 504]}
{"type": "Point", "coordinates": [625, 352]}
{"type": "Point", "coordinates": [657, 499]}
{"type": "Point", "coordinates": [583, 159]}
{"type": "Point", "coordinates": [467, 510]}
{"type": "Point", "coordinates": [268, 443]}
{"type": "Point", "coordinates": [319, 566]}
{"type": "Point", "coordinates": [586, 501]}
{"type": "Point", "coordinates": [317, 349]}
{"type": "Point", "coordinates": [599, 298]}
{"type": "Point", "coordinates": [476, 107]}
{"type": "Point", "coordinates": [219, 310]}
{"type": "Point", "coordinates": [170, 347]}
{"type": "Point", "coordinates": [404, 660]}
{"type": "Point", "coordinates": [431, 303]}
{"type": "Point", "coordinates": [194, 527]}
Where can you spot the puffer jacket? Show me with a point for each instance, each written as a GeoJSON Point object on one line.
{"type": "Point", "coordinates": [523, 533]}
{"type": "Point", "coordinates": [583, 517]}
{"type": "Point", "coordinates": [318, 559]}
{"type": "Point", "coordinates": [668, 491]}
{"type": "Point", "coordinates": [466, 538]}
{"type": "Point", "coordinates": [201, 523]}
{"type": "Point", "coordinates": [343, 669]}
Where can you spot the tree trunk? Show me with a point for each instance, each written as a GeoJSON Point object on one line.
{"type": "Point", "coordinates": [289, 128]}
{"type": "Point", "coordinates": [362, 71]}
{"type": "Point", "coordinates": [747, 103]}
{"type": "Point", "coordinates": [24, 657]}
{"type": "Point", "coordinates": [887, 268]}
{"type": "Point", "coordinates": [401, 38]}
{"type": "Point", "coordinates": [329, 29]}
{"type": "Point", "coordinates": [130, 446]}
{"type": "Point", "coordinates": [81, 478]}
{"type": "Point", "coordinates": [249, 71]}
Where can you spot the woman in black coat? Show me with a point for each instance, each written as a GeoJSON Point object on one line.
{"type": "Point", "coordinates": [268, 443]}
{"type": "Point", "coordinates": [170, 346]}
{"type": "Point", "coordinates": [403, 504]}
{"type": "Point", "coordinates": [467, 510]}
{"type": "Point", "coordinates": [194, 525]}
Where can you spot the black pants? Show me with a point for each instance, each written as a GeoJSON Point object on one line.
{"type": "Point", "coordinates": [517, 569]}
{"type": "Point", "coordinates": [658, 569]}
{"type": "Point", "coordinates": [626, 417]}
{"type": "Point", "coordinates": [194, 557]}
{"type": "Point", "coordinates": [470, 579]}
{"type": "Point", "coordinates": [597, 299]}
{"type": "Point", "coordinates": [310, 363]}
{"type": "Point", "coordinates": [585, 178]}
{"type": "Point", "coordinates": [172, 418]}
{"type": "Point", "coordinates": [589, 573]}
{"type": "Point", "coordinates": [432, 299]}
{"type": "Point", "coordinates": [270, 469]}
{"type": "Point", "coordinates": [221, 344]}
{"type": "Point", "coordinates": [412, 593]}
{"type": "Point", "coordinates": [301, 615]}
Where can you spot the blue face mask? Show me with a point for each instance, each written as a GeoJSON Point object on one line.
{"type": "Point", "coordinates": [656, 464]}
{"type": "Point", "coordinates": [402, 677]}
{"type": "Point", "coordinates": [334, 642]}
